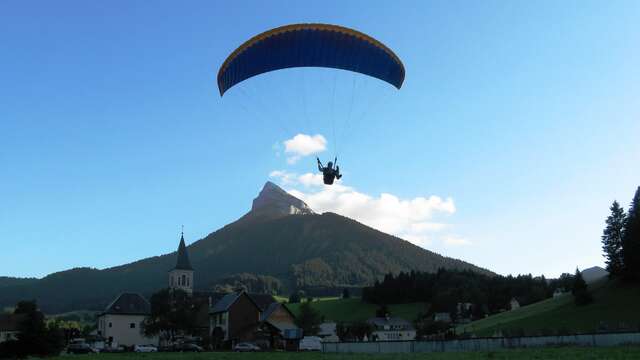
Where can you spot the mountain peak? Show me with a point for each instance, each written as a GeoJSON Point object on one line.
{"type": "Point", "coordinates": [593, 274]}
{"type": "Point", "coordinates": [275, 202]}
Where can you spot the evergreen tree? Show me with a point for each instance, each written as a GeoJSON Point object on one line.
{"type": "Point", "coordinates": [631, 240]}
{"type": "Point", "coordinates": [308, 319]}
{"type": "Point", "coordinates": [612, 240]}
{"type": "Point", "coordinates": [580, 291]}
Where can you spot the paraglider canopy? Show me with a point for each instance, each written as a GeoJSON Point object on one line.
{"type": "Point", "coordinates": [311, 45]}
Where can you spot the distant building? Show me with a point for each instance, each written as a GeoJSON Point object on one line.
{"type": "Point", "coordinates": [514, 304]}
{"type": "Point", "coordinates": [236, 315]}
{"type": "Point", "coordinates": [391, 329]}
{"type": "Point", "coordinates": [558, 292]}
{"type": "Point", "coordinates": [442, 317]}
{"type": "Point", "coordinates": [277, 327]}
{"type": "Point", "coordinates": [121, 322]}
{"type": "Point", "coordinates": [10, 326]}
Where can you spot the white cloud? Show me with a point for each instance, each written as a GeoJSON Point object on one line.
{"type": "Point", "coordinates": [409, 219]}
{"type": "Point", "coordinates": [304, 145]}
{"type": "Point", "coordinates": [285, 178]}
{"type": "Point", "coordinates": [310, 179]}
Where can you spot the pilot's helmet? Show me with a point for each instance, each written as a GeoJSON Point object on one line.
{"type": "Point", "coordinates": [330, 164]}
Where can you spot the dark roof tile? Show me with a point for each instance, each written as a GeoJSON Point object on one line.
{"type": "Point", "coordinates": [129, 304]}
{"type": "Point", "coordinates": [262, 300]}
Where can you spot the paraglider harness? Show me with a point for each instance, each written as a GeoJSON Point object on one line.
{"type": "Point", "coordinates": [328, 172]}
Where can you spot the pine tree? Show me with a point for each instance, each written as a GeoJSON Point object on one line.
{"type": "Point", "coordinates": [612, 240]}
{"type": "Point", "coordinates": [580, 291]}
{"type": "Point", "coordinates": [631, 240]}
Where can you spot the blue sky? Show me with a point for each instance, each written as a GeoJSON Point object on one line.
{"type": "Point", "coordinates": [517, 126]}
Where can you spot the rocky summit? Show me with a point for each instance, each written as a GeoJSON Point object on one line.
{"type": "Point", "coordinates": [274, 202]}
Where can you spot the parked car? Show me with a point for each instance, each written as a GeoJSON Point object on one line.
{"type": "Point", "coordinates": [188, 347]}
{"type": "Point", "coordinates": [310, 343]}
{"type": "Point", "coordinates": [81, 348]}
{"type": "Point", "coordinates": [246, 347]}
{"type": "Point", "coordinates": [145, 348]}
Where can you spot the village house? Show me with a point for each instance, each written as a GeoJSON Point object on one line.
{"type": "Point", "coordinates": [10, 326]}
{"type": "Point", "coordinates": [391, 329]}
{"type": "Point", "coordinates": [241, 316]}
{"type": "Point", "coordinates": [514, 304]}
{"type": "Point", "coordinates": [279, 323]}
{"type": "Point", "coordinates": [236, 315]}
{"type": "Point", "coordinates": [121, 322]}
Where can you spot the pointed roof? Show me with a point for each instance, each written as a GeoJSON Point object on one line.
{"type": "Point", "coordinates": [129, 304]}
{"type": "Point", "coordinates": [271, 309]}
{"type": "Point", "coordinates": [183, 262]}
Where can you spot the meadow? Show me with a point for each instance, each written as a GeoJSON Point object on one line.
{"type": "Point", "coordinates": [614, 307]}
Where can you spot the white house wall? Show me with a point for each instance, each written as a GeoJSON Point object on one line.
{"type": "Point", "coordinates": [124, 330]}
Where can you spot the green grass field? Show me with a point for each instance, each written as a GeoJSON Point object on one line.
{"type": "Point", "coordinates": [614, 304]}
{"type": "Point", "coordinates": [614, 353]}
{"type": "Point", "coordinates": [352, 310]}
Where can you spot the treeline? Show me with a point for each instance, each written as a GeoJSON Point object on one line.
{"type": "Point", "coordinates": [445, 289]}
{"type": "Point", "coordinates": [253, 283]}
{"type": "Point", "coordinates": [621, 241]}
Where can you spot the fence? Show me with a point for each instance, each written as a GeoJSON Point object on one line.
{"type": "Point", "coordinates": [483, 344]}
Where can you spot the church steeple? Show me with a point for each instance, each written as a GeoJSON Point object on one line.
{"type": "Point", "coordinates": [181, 276]}
{"type": "Point", "coordinates": [183, 262]}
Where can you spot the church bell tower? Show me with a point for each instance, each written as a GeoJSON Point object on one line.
{"type": "Point", "coordinates": [181, 276]}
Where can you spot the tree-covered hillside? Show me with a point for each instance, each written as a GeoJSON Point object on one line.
{"type": "Point", "coordinates": [271, 250]}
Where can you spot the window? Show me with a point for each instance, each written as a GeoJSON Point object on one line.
{"type": "Point", "coordinates": [187, 281]}
{"type": "Point", "coordinates": [132, 325]}
{"type": "Point", "coordinates": [110, 325]}
{"type": "Point", "coordinates": [184, 279]}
